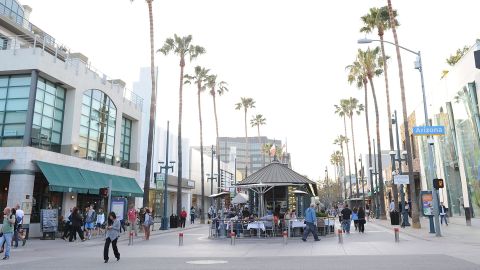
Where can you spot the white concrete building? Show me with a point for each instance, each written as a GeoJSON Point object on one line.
{"type": "Point", "coordinates": [65, 128]}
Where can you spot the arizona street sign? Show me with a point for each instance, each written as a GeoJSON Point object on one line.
{"type": "Point", "coordinates": [401, 179]}
{"type": "Point", "coordinates": [429, 130]}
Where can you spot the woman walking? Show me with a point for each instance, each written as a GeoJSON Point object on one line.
{"type": "Point", "coordinates": [7, 231]}
{"type": "Point", "coordinates": [183, 218]}
{"type": "Point", "coordinates": [355, 218]}
{"type": "Point", "coordinates": [100, 223]}
{"type": "Point", "coordinates": [76, 225]}
{"type": "Point", "coordinates": [192, 215]}
{"type": "Point", "coordinates": [361, 220]}
{"type": "Point", "coordinates": [146, 224]}
{"type": "Point", "coordinates": [113, 231]}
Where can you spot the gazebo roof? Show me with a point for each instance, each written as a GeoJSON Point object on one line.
{"type": "Point", "coordinates": [276, 173]}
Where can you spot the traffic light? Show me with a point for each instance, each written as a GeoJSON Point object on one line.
{"type": "Point", "coordinates": [438, 183]}
{"type": "Point", "coordinates": [103, 192]}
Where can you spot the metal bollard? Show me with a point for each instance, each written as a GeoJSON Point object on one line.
{"type": "Point", "coordinates": [285, 237]}
{"type": "Point", "coordinates": [180, 239]}
{"type": "Point", "coordinates": [232, 239]}
{"type": "Point", "coordinates": [340, 236]}
{"type": "Point", "coordinates": [397, 234]}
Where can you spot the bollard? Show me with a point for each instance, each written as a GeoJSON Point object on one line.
{"type": "Point", "coordinates": [285, 237]}
{"type": "Point", "coordinates": [232, 239]}
{"type": "Point", "coordinates": [340, 236]}
{"type": "Point", "coordinates": [180, 239]}
{"type": "Point", "coordinates": [397, 234]}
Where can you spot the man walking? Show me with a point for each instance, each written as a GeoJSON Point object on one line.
{"type": "Point", "coordinates": [19, 218]}
{"type": "Point", "coordinates": [443, 214]}
{"type": "Point", "coordinates": [7, 230]}
{"type": "Point", "coordinates": [310, 220]}
{"type": "Point", "coordinates": [90, 218]}
{"type": "Point", "coordinates": [132, 219]}
{"type": "Point", "coordinates": [346, 213]}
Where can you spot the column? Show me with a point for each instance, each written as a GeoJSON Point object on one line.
{"type": "Point", "coordinates": [20, 192]}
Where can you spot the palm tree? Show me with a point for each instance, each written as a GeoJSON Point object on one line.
{"type": "Point", "coordinates": [379, 19]}
{"type": "Point", "coordinates": [372, 64]}
{"type": "Point", "coordinates": [343, 110]}
{"type": "Point", "coordinates": [246, 103]}
{"type": "Point", "coordinates": [266, 150]}
{"type": "Point", "coordinates": [357, 75]}
{"type": "Point", "coordinates": [182, 47]}
{"type": "Point", "coordinates": [354, 108]}
{"type": "Point", "coordinates": [216, 88]}
{"type": "Point", "coordinates": [200, 79]}
{"type": "Point", "coordinates": [153, 109]}
{"type": "Point", "coordinates": [413, 194]}
{"type": "Point", "coordinates": [336, 159]}
{"type": "Point", "coordinates": [257, 121]}
{"type": "Point", "coordinates": [340, 140]}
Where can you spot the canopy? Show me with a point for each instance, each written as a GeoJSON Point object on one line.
{"type": "Point", "coordinates": [240, 198]}
{"type": "Point", "coordinates": [4, 163]}
{"type": "Point", "coordinates": [277, 174]}
{"type": "Point", "coordinates": [219, 194]}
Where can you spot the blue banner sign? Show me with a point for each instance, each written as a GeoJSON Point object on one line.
{"type": "Point", "coordinates": [429, 130]}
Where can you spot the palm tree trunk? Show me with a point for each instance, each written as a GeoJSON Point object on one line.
{"type": "Point", "coordinates": [413, 194]}
{"type": "Point", "coordinates": [217, 144]}
{"type": "Point", "coordinates": [260, 143]}
{"type": "Point", "coordinates": [153, 109]}
{"type": "Point", "coordinates": [390, 132]}
{"type": "Point", "coordinates": [343, 169]}
{"type": "Point", "coordinates": [348, 156]}
{"type": "Point", "coordinates": [202, 170]}
{"type": "Point", "coordinates": [179, 143]}
{"type": "Point", "coordinates": [354, 154]}
{"type": "Point", "coordinates": [247, 158]}
{"type": "Point", "coordinates": [369, 145]}
{"type": "Point", "coordinates": [379, 161]}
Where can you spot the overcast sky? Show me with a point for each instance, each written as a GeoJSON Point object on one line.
{"type": "Point", "coordinates": [288, 55]}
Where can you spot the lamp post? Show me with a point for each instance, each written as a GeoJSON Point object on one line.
{"type": "Point", "coordinates": [419, 66]}
{"type": "Point", "coordinates": [362, 177]}
{"type": "Point", "coordinates": [374, 172]}
{"type": "Point", "coordinates": [326, 188]}
{"type": "Point", "coordinates": [165, 168]}
{"type": "Point", "coordinates": [399, 157]}
{"type": "Point", "coordinates": [212, 176]}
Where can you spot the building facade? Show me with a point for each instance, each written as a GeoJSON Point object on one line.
{"type": "Point", "coordinates": [66, 129]}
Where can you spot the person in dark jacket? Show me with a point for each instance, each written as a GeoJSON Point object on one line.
{"type": "Point", "coordinates": [77, 221]}
{"type": "Point", "coordinates": [361, 220]}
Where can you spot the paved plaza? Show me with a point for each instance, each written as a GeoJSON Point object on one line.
{"type": "Point", "coordinates": [376, 249]}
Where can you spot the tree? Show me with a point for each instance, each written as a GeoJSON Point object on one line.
{"type": "Point", "coordinates": [372, 65]}
{"type": "Point", "coordinates": [200, 79]}
{"type": "Point", "coordinates": [216, 88]}
{"type": "Point", "coordinates": [378, 18]}
{"type": "Point", "coordinates": [413, 194]}
{"type": "Point", "coordinates": [336, 160]}
{"type": "Point", "coordinates": [266, 150]}
{"type": "Point", "coordinates": [453, 59]}
{"type": "Point", "coordinates": [257, 121]}
{"type": "Point", "coordinates": [343, 110]}
{"type": "Point", "coordinates": [354, 108]}
{"type": "Point", "coordinates": [182, 47]}
{"type": "Point", "coordinates": [246, 103]}
{"type": "Point", "coordinates": [340, 140]}
{"type": "Point", "coordinates": [153, 109]}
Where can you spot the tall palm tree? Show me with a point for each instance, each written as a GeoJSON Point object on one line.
{"type": "Point", "coordinates": [200, 79]}
{"type": "Point", "coordinates": [354, 108]}
{"type": "Point", "coordinates": [336, 159]}
{"type": "Point", "coordinates": [378, 18]}
{"type": "Point", "coordinates": [357, 75]}
{"type": "Point", "coordinates": [216, 88]}
{"type": "Point", "coordinates": [372, 64]}
{"type": "Point", "coordinates": [266, 150]}
{"type": "Point", "coordinates": [153, 109]}
{"type": "Point", "coordinates": [182, 47]}
{"type": "Point", "coordinates": [413, 194]}
{"type": "Point", "coordinates": [257, 121]}
{"type": "Point", "coordinates": [246, 103]}
{"type": "Point", "coordinates": [343, 110]}
{"type": "Point", "coordinates": [340, 140]}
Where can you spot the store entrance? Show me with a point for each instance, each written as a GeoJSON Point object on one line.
{"type": "Point", "coordinates": [85, 200]}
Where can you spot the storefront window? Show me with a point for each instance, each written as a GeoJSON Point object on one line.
{"type": "Point", "coordinates": [43, 198]}
{"type": "Point", "coordinates": [125, 142]}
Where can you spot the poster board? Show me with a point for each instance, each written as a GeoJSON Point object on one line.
{"type": "Point", "coordinates": [49, 220]}
{"type": "Point", "coordinates": [118, 206]}
{"type": "Point", "coordinates": [427, 203]}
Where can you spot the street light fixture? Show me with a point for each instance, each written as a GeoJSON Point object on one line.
{"type": "Point", "coordinates": [419, 66]}
{"type": "Point", "coordinates": [166, 168]}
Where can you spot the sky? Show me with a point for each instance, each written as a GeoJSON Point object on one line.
{"type": "Point", "coordinates": [288, 55]}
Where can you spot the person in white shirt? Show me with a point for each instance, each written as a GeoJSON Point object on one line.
{"type": "Point", "coordinates": [392, 206]}
{"type": "Point", "coordinates": [19, 214]}
{"type": "Point", "coordinates": [443, 213]}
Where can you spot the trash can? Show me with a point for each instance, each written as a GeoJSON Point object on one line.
{"type": "Point", "coordinates": [395, 218]}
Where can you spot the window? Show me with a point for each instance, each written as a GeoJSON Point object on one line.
{"type": "Point", "coordinates": [14, 93]}
{"type": "Point", "coordinates": [97, 127]}
{"type": "Point", "coordinates": [125, 142]}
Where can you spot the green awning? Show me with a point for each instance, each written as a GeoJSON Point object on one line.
{"type": "Point", "coordinates": [63, 178]}
{"type": "Point", "coordinates": [121, 186]}
{"type": "Point", "coordinates": [4, 163]}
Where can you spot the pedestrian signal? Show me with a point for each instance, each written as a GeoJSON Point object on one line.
{"type": "Point", "coordinates": [438, 183]}
{"type": "Point", "coordinates": [103, 192]}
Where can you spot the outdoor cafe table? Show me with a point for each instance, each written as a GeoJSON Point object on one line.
{"type": "Point", "coordinates": [295, 223]}
{"type": "Point", "coordinates": [258, 225]}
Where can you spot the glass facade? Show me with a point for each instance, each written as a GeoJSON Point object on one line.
{"type": "Point", "coordinates": [48, 116]}
{"type": "Point", "coordinates": [125, 142]}
{"type": "Point", "coordinates": [97, 127]}
{"type": "Point", "coordinates": [12, 9]}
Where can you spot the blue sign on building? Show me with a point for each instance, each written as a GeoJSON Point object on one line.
{"type": "Point", "coordinates": [429, 130]}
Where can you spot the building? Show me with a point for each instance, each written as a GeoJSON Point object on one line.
{"type": "Point", "coordinates": [234, 148]}
{"type": "Point", "coordinates": [66, 129]}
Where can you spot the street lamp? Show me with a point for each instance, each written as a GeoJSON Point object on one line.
{"type": "Point", "coordinates": [165, 168]}
{"type": "Point", "coordinates": [327, 201]}
{"type": "Point", "coordinates": [362, 178]}
{"type": "Point", "coordinates": [419, 66]}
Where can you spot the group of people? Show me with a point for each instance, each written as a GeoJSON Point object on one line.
{"type": "Point", "coordinates": [358, 215]}
{"type": "Point", "coordinates": [11, 231]}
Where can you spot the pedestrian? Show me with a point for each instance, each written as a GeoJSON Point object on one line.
{"type": "Point", "coordinates": [443, 214]}
{"type": "Point", "coordinates": [192, 215]}
{"type": "Point", "coordinates": [147, 223]}
{"type": "Point", "coordinates": [7, 231]}
{"type": "Point", "coordinates": [367, 211]}
{"type": "Point", "coordinates": [211, 212]}
{"type": "Point", "coordinates": [183, 218]}
{"type": "Point", "coordinates": [100, 222]}
{"type": "Point", "coordinates": [76, 225]}
{"type": "Point", "coordinates": [392, 206]}
{"type": "Point", "coordinates": [361, 220]}
{"type": "Point", "coordinates": [346, 213]}
{"type": "Point", "coordinates": [355, 218]}
{"type": "Point", "coordinates": [15, 228]}
{"type": "Point", "coordinates": [132, 219]}
{"type": "Point", "coordinates": [67, 226]}
{"type": "Point", "coordinates": [19, 214]}
{"type": "Point", "coordinates": [311, 222]}
{"type": "Point", "coordinates": [113, 231]}
{"type": "Point", "coordinates": [90, 218]}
